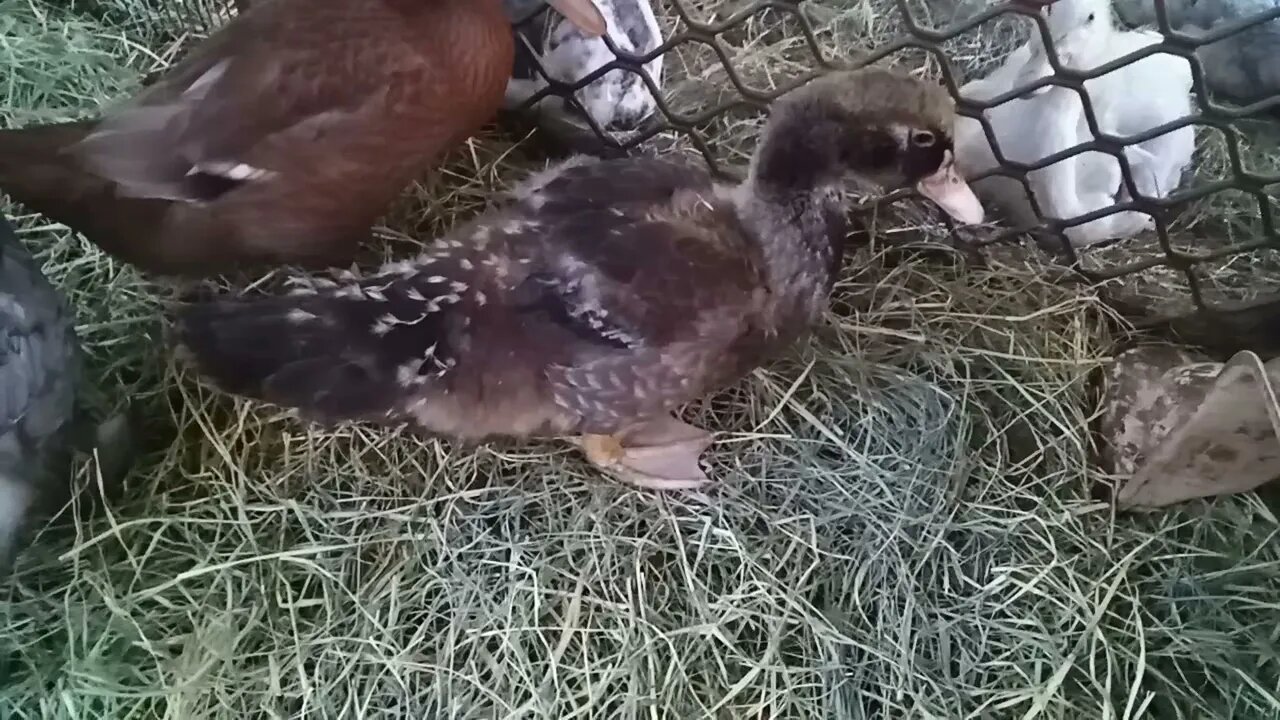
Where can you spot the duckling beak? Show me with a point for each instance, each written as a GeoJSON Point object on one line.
{"type": "Point", "coordinates": [582, 13]}
{"type": "Point", "coordinates": [951, 193]}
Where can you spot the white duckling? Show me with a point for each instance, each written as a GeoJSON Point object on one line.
{"type": "Point", "coordinates": [1085, 37]}
{"type": "Point", "coordinates": [1028, 131]}
{"type": "Point", "coordinates": [1096, 176]}
{"type": "Point", "coordinates": [1052, 119]}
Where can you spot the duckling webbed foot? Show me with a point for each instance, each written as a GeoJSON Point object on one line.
{"type": "Point", "coordinates": [659, 455]}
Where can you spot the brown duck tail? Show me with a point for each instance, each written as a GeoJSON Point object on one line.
{"type": "Point", "coordinates": [333, 353]}
{"type": "Point", "coordinates": [38, 170]}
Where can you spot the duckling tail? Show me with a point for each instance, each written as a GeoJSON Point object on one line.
{"type": "Point", "coordinates": [333, 354]}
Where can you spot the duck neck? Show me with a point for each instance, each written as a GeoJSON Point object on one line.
{"type": "Point", "coordinates": [793, 200]}
{"type": "Point", "coordinates": [1081, 31]}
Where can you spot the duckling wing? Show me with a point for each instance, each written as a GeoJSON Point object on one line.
{"type": "Point", "coordinates": [262, 96]}
{"type": "Point", "coordinates": [663, 301]}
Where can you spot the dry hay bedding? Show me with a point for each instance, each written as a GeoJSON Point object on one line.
{"type": "Point", "coordinates": [901, 526]}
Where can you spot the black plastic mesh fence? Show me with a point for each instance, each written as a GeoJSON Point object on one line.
{"type": "Point", "coordinates": [916, 36]}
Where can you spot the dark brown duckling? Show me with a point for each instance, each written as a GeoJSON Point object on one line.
{"type": "Point", "coordinates": [605, 296]}
{"type": "Point", "coordinates": [281, 138]}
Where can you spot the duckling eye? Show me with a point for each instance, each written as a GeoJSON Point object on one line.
{"type": "Point", "coordinates": [1090, 18]}
{"type": "Point", "coordinates": [923, 139]}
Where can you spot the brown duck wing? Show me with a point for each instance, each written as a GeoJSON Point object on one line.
{"type": "Point", "coordinates": [662, 300]}
{"type": "Point", "coordinates": [264, 94]}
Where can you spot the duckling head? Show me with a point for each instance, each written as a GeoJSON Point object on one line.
{"type": "Point", "coordinates": [876, 125]}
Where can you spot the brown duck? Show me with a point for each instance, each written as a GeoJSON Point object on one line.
{"type": "Point", "coordinates": [606, 295]}
{"type": "Point", "coordinates": [281, 138]}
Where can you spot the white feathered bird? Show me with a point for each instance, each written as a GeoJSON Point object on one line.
{"type": "Point", "coordinates": [1052, 119]}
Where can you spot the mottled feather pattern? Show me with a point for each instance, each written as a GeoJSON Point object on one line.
{"type": "Point", "coordinates": [682, 275]}
{"type": "Point", "coordinates": [336, 348]}
{"type": "Point", "coordinates": [527, 321]}
{"type": "Point", "coordinates": [601, 297]}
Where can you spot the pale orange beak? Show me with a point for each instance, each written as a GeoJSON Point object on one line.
{"type": "Point", "coordinates": [951, 193]}
{"type": "Point", "coordinates": [582, 13]}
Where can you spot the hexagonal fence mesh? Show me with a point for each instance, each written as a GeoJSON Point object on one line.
{"type": "Point", "coordinates": [1207, 238]}
{"type": "Point", "coordinates": [924, 471]}
{"type": "Point", "coordinates": [1165, 241]}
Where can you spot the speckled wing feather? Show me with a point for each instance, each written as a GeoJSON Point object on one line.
{"type": "Point", "coordinates": [665, 296]}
